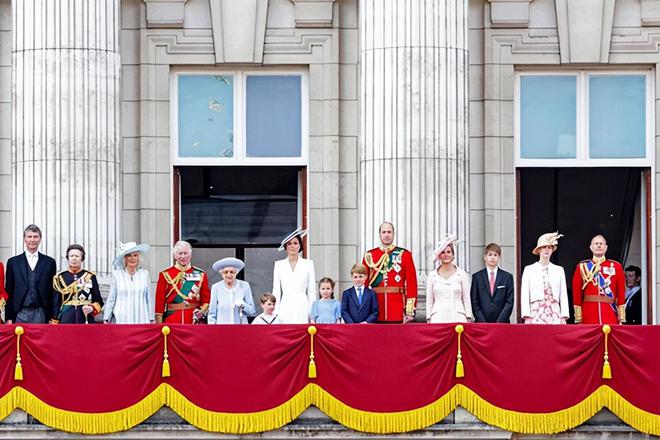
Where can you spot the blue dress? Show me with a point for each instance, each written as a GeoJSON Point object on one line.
{"type": "Point", "coordinates": [326, 311]}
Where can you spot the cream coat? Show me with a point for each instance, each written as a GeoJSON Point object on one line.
{"type": "Point", "coordinates": [448, 300]}
{"type": "Point", "coordinates": [531, 288]}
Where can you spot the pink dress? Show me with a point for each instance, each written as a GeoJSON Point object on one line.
{"type": "Point", "coordinates": [546, 311]}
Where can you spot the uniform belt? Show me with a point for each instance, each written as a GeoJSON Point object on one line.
{"type": "Point", "coordinates": [598, 299]}
{"type": "Point", "coordinates": [388, 289]}
{"type": "Point", "coordinates": [181, 306]}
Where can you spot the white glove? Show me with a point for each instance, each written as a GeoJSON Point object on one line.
{"type": "Point", "coordinates": [239, 303]}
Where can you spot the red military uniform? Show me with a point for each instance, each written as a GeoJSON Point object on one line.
{"type": "Point", "coordinates": [599, 292]}
{"type": "Point", "coordinates": [3, 294]}
{"type": "Point", "coordinates": [180, 292]}
{"type": "Point", "coordinates": [391, 274]}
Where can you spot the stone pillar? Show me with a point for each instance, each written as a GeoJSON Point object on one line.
{"type": "Point", "coordinates": [413, 139]}
{"type": "Point", "coordinates": [65, 117]}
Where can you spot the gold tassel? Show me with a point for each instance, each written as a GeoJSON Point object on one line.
{"type": "Point", "coordinates": [311, 370]}
{"type": "Point", "coordinates": [166, 363]}
{"type": "Point", "coordinates": [607, 370]}
{"type": "Point", "coordinates": [459, 360]}
{"type": "Point", "coordinates": [18, 370]}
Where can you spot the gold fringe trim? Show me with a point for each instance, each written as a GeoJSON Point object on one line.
{"type": "Point", "coordinates": [312, 394]}
{"type": "Point", "coordinates": [87, 423]}
{"type": "Point", "coordinates": [240, 423]}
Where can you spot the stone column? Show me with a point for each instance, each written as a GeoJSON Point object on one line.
{"type": "Point", "coordinates": [413, 139]}
{"type": "Point", "coordinates": [65, 117]}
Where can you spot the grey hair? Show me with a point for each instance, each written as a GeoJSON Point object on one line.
{"type": "Point", "coordinates": [179, 245]}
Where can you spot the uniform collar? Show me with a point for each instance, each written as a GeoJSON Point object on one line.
{"type": "Point", "coordinates": [597, 260]}
{"type": "Point", "coordinates": [182, 268]}
{"type": "Point", "coordinates": [388, 248]}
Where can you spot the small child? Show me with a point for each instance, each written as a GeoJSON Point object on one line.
{"type": "Point", "coordinates": [327, 310]}
{"type": "Point", "coordinates": [268, 304]}
{"type": "Point", "coordinates": [359, 304]}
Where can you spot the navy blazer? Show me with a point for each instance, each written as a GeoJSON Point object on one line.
{"type": "Point", "coordinates": [16, 283]}
{"type": "Point", "coordinates": [352, 312]}
{"type": "Point", "coordinates": [496, 307]}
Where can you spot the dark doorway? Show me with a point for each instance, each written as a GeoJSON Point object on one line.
{"type": "Point", "coordinates": [579, 203]}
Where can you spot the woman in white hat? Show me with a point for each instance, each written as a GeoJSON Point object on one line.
{"type": "Point", "coordinates": [294, 282]}
{"type": "Point", "coordinates": [447, 287]}
{"type": "Point", "coordinates": [231, 299]}
{"type": "Point", "coordinates": [129, 301]}
{"type": "Point", "coordinates": [543, 295]}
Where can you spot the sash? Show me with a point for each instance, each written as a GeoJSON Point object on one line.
{"type": "Point", "coordinates": [384, 264]}
{"type": "Point", "coordinates": [601, 282]}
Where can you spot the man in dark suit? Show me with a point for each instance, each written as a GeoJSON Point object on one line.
{"type": "Point", "coordinates": [359, 303]}
{"type": "Point", "coordinates": [29, 282]}
{"type": "Point", "coordinates": [491, 293]}
{"type": "Point", "coordinates": [633, 295]}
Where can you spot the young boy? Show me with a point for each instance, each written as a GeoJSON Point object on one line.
{"type": "Point", "coordinates": [268, 304]}
{"type": "Point", "coordinates": [359, 304]}
{"type": "Point", "coordinates": [492, 289]}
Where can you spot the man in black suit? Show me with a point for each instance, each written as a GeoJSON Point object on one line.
{"type": "Point", "coordinates": [491, 293]}
{"type": "Point", "coordinates": [29, 282]}
{"type": "Point", "coordinates": [633, 295]}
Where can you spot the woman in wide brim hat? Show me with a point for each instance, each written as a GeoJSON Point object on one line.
{"type": "Point", "coordinates": [543, 293]}
{"type": "Point", "coordinates": [129, 301]}
{"type": "Point", "coordinates": [231, 299]}
{"type": "Point", "coordinates": [447, 287]}
{"type": "Point", "coordinates": [294, 281]}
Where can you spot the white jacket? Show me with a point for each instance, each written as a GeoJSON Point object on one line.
{"type": "Point", "coordinates": [531, 288]}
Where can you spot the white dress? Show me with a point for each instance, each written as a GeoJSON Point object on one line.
{"type": "Point", "coordinates": [448, 299]}
{"type": "Point", "coordinates": [221, 307]}
{"type": "Point", "coordinates": [294, 289]}
{"type": "Point", "coordinates": [129, 300]}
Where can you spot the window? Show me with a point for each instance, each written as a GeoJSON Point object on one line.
{"type": "Point", "coordinates": [586, 118]}
{"type": "Point", "coordinates": [239, 117]}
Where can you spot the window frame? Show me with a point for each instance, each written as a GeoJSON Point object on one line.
{"type": "Point", "coordinates": [582, 158]}
{"type": "Point", "coordinates": [240, 157]}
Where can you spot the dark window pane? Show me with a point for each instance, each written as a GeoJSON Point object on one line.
{"type": "Point", "coordinates": [238, 205]}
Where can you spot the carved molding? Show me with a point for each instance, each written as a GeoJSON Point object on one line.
{"type": "Point", "coordinates": [165, 13]}
{"type": "Point", "coordinates": [239, 28]}
{"type": "Point", "coordinates": [650, 12]}
{"type": "Point", "coordinates": [585, 30]}
{"type": "Point", "coordinates": [509, 13]}
{"type": "Point", "coordinates": [313, 13]}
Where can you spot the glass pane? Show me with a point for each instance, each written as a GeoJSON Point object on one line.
{"type": "Point", "coordinates": [225, 206]}
{"type": "Point", "coordinates": [274, 116]}
{"type": "Point", "coordinates": [259, 264]}
{"type": "Point", "coordinates": [205, 257]}
{"type": "Point", "coordinates": [617, 116]}
{"type": "Point", "coordinates": [547, 117]}
{"type": "Point", "coordinates": [206, 116]}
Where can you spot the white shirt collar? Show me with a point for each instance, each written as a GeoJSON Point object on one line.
{"type": "Point", "coordinates": [492, 270]}
{"type": "Point", "coordinates": [29, 255]}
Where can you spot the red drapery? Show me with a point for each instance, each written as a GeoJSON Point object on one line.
{"type": "Point", "coordinates": [374, 378]}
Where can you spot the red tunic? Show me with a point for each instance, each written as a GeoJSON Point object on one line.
{"type": "Point", "coordinates": [180, 292]}
{"type": "Point", "coordinates": [393, 269]}
{"type": "Point", "coordinates": [596, 306]}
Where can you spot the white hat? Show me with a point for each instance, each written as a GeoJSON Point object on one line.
{"type": "Point", "coordinates": [300, 232]}
{"type": "Point", "coordinates": [228, 262]}
{"type": "Point", "coordinates": [549, 239]}
{"type": "Point", "coordinates": [450, 239]}
{"type": "Point", "coordinates": [128, 248]}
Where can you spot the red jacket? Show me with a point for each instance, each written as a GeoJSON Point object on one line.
{"type": "Point", "coordinates": [394, 268]}
{"type": "Point", "coordinates": [180, 292]}
{"type": "Point", "coordinates": [590, 299]}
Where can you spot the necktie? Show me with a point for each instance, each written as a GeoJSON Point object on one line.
{"type": "Point", "coordinates": [492, 282]}
{"type": "Point", "coordinates": [360, 295]}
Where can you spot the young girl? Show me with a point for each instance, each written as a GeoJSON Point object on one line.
{"type": "Point", "coordinates": [327, 310]}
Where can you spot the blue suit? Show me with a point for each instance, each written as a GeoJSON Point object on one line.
{"type": "Point", "coordinates": [354, 311]}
